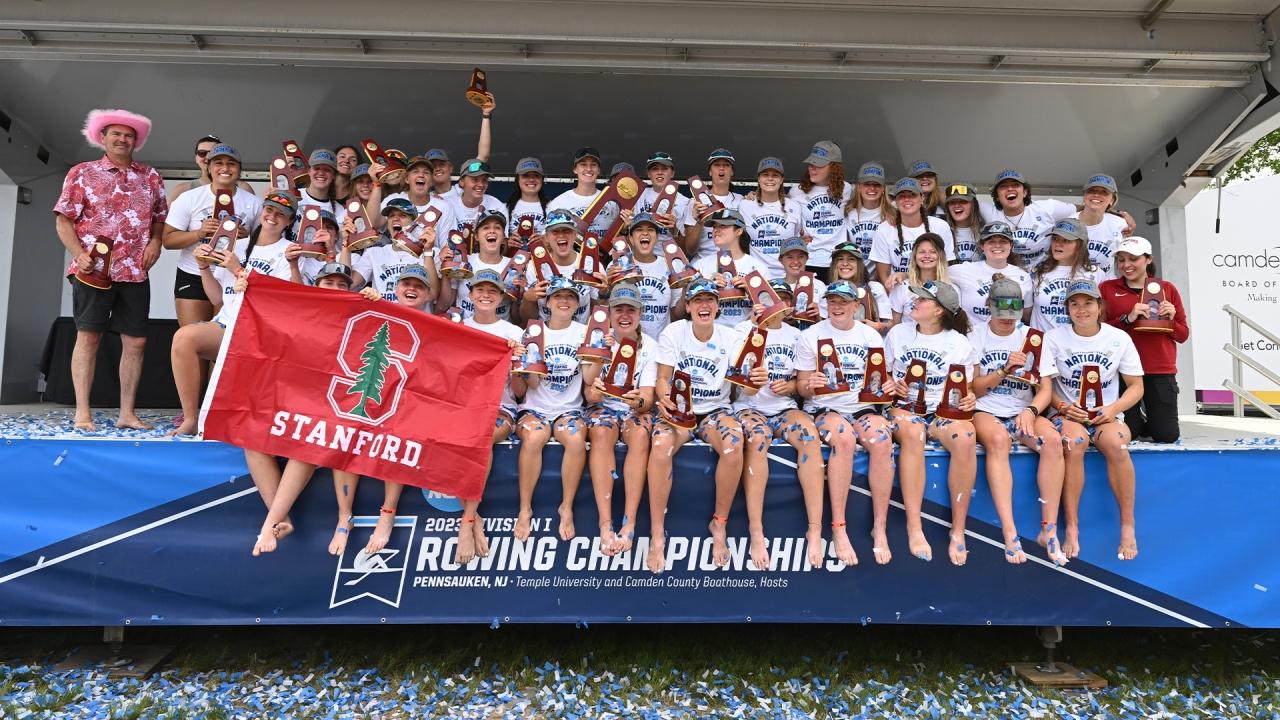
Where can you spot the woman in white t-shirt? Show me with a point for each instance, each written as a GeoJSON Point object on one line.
{"type": "Point", "coordinates": [846, 264]}
{"type": "Point", "coordinates": [1012, 410]}
{"type": "Point", "coordinates": [961, 213]}
{"type": "Point", "coordinates": [1085, 346]}
{"type": "Point", "coordinates": [973, 279]}
{"type": "Point", "coordinates": [700, 347]}
{"type": "Point", "coordinates": [822, 194]}
{"type": "Point", "coordinates": [560, 258]}
{"type": "Point", "coordinates": [627, 416]}
{"type": "Point", "coordinates": [891, 246]}
{"type": "Point", "coordinates": [938, 339]}
{"type": "Point", "coordinates": [1105, 229]}
{"type": "Point", "coordinates": [868, 206]}
{"type": "Point", "coordinates": [1068, 261]}
{"type": "Point", "coordinates": [527, 201]}
{"type": "Point", "coordinates": [552, 407]}
{"type": "Point", "coordinates": [662, 303]}
{"type": "Point", "coordinates": [927, 264]}
{"type": "Point", "coordinates": [489, 240]}
{"type": "Point", "coordinates": [767, 411]}
{"type": "Point", "coordinates": [794, 256]}
{"type": "Point", "coordinates": [771, 217]}
{"type": "Point", "coordinates": [719, 176]}
{"type": "Point", "coordinates": [1030, 219]}
{"type": "Point", "coordinates": [844, 421]}
{"type": "Point", "coordinates": [732, 242]}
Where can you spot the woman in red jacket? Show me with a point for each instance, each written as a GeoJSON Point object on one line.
{"type": "Point", "coordinates": [1156, 416]}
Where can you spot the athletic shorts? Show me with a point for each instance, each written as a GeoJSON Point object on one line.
{"type": "Point", "coordinates": [188, 287]}
{"type": "Point", "coordinates": [603, 415]}
{"type": "Point", "coordinates": [852, 417]}
{"type": "Point", "coordinates": [122, 308]}
{"type": "Point", "coordinates": [575, 413]}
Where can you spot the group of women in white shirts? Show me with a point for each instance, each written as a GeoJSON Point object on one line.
{"type": "Point", "coordinates": [905, 273]}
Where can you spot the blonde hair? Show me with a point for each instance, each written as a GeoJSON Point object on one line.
{"type": "Point", "coordinates": [913, 270]}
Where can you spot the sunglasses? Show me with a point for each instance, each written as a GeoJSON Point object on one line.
{"type": "Point", "coordinates": [202, 153]}
{"type": "Point", "coordinates": [1007, 303]}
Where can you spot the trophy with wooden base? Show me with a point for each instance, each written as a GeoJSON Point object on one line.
{"type": "Point", "coordinates": [874, 378]}
{"type": "Point", "coordinates": [99, 273]}
{"type": "Point", "coordinates": [749, 358]}
{"type": "Point", "coordinates": [395, 170]}
{"type": "Point", "coordinates": [1152, 296]}
{"type": "Point", "coordinates": [726, 268]}
{"type": "Point", "coordinates": [589, 263]}
{"type": "Point", "coordinates": [623, 190]}
{"type": "Point", "coordinates": [308, 229]}
{"type": "Point", "coordinates": [916, 379]}
{"type": "Point", "coordinates": [282, 176]}
{"type": "Point", "coordinates": [223, 205]}
{"type": "Point", "coordinates": [478, 92]}
{"type": "Point", "coordinates": [544, 268]}
{"type": "Point", "coordinates": [514, 277]}
{"type": "Point", "coordinates": [806, 307]}
{"type": "Point", "coordinates": [620, 378]}
{"type": "Point", "coordinates": [1029, 371]}
{"type": "Point", "coordinates": [1090, 398]}
{"type": "Point", "coordinates": [623, 267]}
{"type": "Point", "coordinates": [223, 239]}
{"type": "Point", "coordinates": [829, 366]}
{"type": "Point", "coordinates": [594, 349]}
{"type": "Point", "coordinates": [681, 397]}
{"type": "Point", "coordinates": [665, 203]}
{"type": "Point", "coordinates": [762, 293]}
{"type": "Point", "coordinates": [299, 172]}
{"type": "Point", "coordinates": [954, 391]}
{"type": "Point", "coordinates": [533, 361]}
{"type": "Point", "coordinates": [365, 234]}
{"type": "Point", "coordinates": [457, 267]}
{"type": "Point", "coordinates": [525, 228]}
{"type": "Point", "coordinates": [678, 271]}
{"type": "Point", "coordinates": [702, 194]}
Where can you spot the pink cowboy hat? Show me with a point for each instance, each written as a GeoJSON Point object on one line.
{"type": "Point", "coordinates": [98, 121]}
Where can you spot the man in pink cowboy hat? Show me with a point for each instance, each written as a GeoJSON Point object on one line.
{"type": "Point", "coordinates": [109, 218]}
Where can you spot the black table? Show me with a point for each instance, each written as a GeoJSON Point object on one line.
{"type": "Point", "coordinates": [155, 389]}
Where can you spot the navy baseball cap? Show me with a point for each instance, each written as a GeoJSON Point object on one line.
{"type": "Point", "coordinates": [770, 163]}
{"type": "Point", "coordinates": [791, 244]}
{"type": "Point", "coordinates": [725, 216]}
{"type": "Point", "coordinates": [414, 272]}
{"type": "Point", "coordinates": [642, 217]}
{"type": "Point", "coordinates": [1011, 175]}
{"type": "Point", "coordinates": [583, 153]}
{"type": "Point", "coordinates": [323, 157]}
{"type": "Point", "coordinates": [621, 167]}
{"type": "Point", "coordinates": [486, 276]}
{"type": "Point", "coordinates": [700, 286]}
{"type": "Point", "coordinates": [488, 215]}
{"type": "Point", "coordinates": [906, 184]}
{"type": "Point", "coordinates": [561, 282]}
{"type": "Point", "coordinates": [625, 294]}
{"type": "Point", "coordinates": [921, 167]}
{"type": "Point", "coordinates": [872, 172]}
{"type": "Point", "coordinates": [529, 165]}
{"type": "Point", "coordinates": [721, 154]}
{"type": "Point", "coordinates": [437, 155]}
{"type": "Point", "coordinates": [660, 158]}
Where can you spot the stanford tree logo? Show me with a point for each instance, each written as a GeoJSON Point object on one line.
{"type": "Point", "coordinates": [373, 355]}
{"type": "Point", "coordinates": [372, 373]}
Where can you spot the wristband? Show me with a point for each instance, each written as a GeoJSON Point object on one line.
{"type": "Point", "coordinates": [486, 116]}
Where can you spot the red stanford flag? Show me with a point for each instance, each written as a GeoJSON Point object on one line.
{"type": "Point", "coordinates": [372, 387]}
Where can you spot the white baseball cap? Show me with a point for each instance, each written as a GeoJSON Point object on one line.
{"type": "Point", "coordinates": [1134, 246]}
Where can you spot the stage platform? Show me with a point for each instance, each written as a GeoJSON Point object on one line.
{"type": "Point", "coordinates": [131, 528]}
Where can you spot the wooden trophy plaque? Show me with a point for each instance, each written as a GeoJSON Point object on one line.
{"type": "Point", "coordinates": [665, 203]}
{"type": "Point", "coordinates": [395, 172]}
{"type": "Point", "coordinates": [366, 234]}
{"type": "Point", "coordinates": [589, 263]}
{"type": "Point", "coordinates": [457, 267]}
{"type": "Point", "coordinates": [1090, 398]}
{"type": "Point", "coordinates": [282, 176]}
{"type": "Point", "coordinates": [454, 314]}
{"type": "Point", "coordinates": [702, 194]}
{"type": "Point", "coordinates": [544, 268]}
{"type": "Point", "coordinates": [623, 267]}
{"type": "Point", "coordinates": [224, 238]}
{"type": "Point", "coordinates": [678, 271]}
{"type": "Point", "coordinates": [99, 273]}
{"type": "Point", "coordinates": [681, 396]}
{"type": "Point", "coordinates": [525, 228]}
{"type": "Point", "coordinates": [478, 92]}
{"type": "Point", "coordinates": [1029, 371]}
{"type": "Point", "coordinates": [1152, 296]}
{"type": "Point", "coordinates": [806, 307]}
{"type": "Point", "coordinates": [533, 361]}
{"type": "Point", "coordinates": [726, 269]}
{"type": "Point", "coordinates": [749, 358]}
{"type": "Point", "coordinates": [829, 366]}
{"type": "Point", "coordinates": [623, 189]}
{"type": "Point", "coordinates": [874, 377]}
{"type": "Point", "coordinates": [955, 389]}
{"type": "Point", "coordinates": [514, 277]}
{"type": "Point", "coordinates": [403, 241]}
{"type": "Point", "coordinates": [594, 348]}
{"type": "Point", "coordinates": [762, 293]}
{"type": "Point", "coordinates": [308, 229]}
{"type": "Point", "coordinates": [224, 205]}
{"type": "Point", "coordinates": [620, 377]}
{"type": "Point", "coordinates": [299, 172]}
{"type": "Point", "coordinates": [916, 379]}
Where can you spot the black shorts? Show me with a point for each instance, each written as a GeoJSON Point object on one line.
{"type": "Point", "coordinates": [188, 287]}
{"type": "Point", "coordinates": [123, 308]}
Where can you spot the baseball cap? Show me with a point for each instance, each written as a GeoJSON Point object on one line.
{"type": "Point", "coordinates": [561, 282]}
{"type": "Point", "coordinates": [992, 229]}
{"type": "Point", "coordinates": [842, 288]}
{"type": "Point", "coordinates": [486, 276]}
{"type": "Point", "coordinates": [641, 217]}
{"type": "Point", "coordinates": [1105, 182]}
{"type": "Point", "coordinates": [725, 216]}
{"type": "Point", "coordinates": [327, 217]}
{"type": "Point", "coordinates": [620, 168]}
{"type": "Point", "coordinates": [398, 155]}
{"type": "Point", "coordinates": [529, 165]}
{"type": "Point", "coordinates": [906, 184]}
{"type": "Point", "coordinates": [944, 293]}
{"type": "Point", "coordinates": [791, 244]}
{"type": "Point", "coordinates": [417, 160]}
{"type": "Point", "coordinates": [921, 167]}
{"type": "Point", "coordinates": [475, 167]}
{"type": "Point", "coordinates": [823, 153]}
{"type": "Point", "coordinates": [625, 294]}
{"type": "Point", "coordinates": [700, 286]}
{"type": "Point", "coordinates": [782, 287]}
{"type": "Point", "coordinates": [1084, 287]}
{"type": "Point", "coordinates": [437, 155]}
{"type": "Point", "coordinates": [362, 170]}
{"type": "Point", "coordinates": [721, 154]}
{"type": "Point", "coordinates": [401, 204]}
{"type": "Point", "coordinates": [223, 151]}
{"type": "Point", "coordinates": [281, 201]}
{"type": "Point", "coordinates": [871, 172]}
{"type": "Point", "coordinates": [414, 272]}
{"type": "Point", "coordinates": [960, 191]}
{"type": "Point", "coordinates": [488, 215]}
{"type": "Point", "coordinates": [334, 268]}
{"type": "Point", "coordinates": [583, 153]}
{"type": "Point", "coordinates": [1011, 175]}
{"type": "Point", "coordinates": [559, 218]}
{"type": "Point", "coordinates": [846, 247]}
{"type": "Point", "coordinates": [660, 158]}
{"type": "Point", "coordinates": [1005, 299]}
{"type": "Point", "coordinates": [770, 163]}
{"type": "Point", "coordinates": [1069, 228]}
{"type": "Point", "coordinates": [1134, 245]}
{"type": "Point", "coordinates": [322, 157]}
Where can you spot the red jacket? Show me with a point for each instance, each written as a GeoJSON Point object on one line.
{"type": "Point", "coordinates": [1157, 350]}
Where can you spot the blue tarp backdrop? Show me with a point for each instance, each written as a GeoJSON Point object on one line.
{"type": "Point", "coordinates": [96, 532]}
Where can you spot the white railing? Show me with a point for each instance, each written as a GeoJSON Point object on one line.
{"type": "Point", "coordinates": [1239, 359]}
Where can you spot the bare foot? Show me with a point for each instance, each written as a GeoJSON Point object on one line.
{"type": "Point", "coordinates": [1013, 550]}
{"type": "Point", "coordinates": [187, 427]}
{"type": "Point", "coordinates": [1071, 541]}
{"type": "Point", "coordinates": [759, 550]}
{"type": "Point", "coordinates": [381, 533]}
{"type": "Point", "coordinates": [719, 544]}
{"type": "Point", "coordinates": [813, 541]}
{"type": "Point", "coordinates": [266, 542]}
{"type": "Point", "coordinates": [524, 521]}
{"type": "Point", "coordinates": [466, 550]}
{"type": "Point", "coordinates": [844, 548]}
{"type": "Point", "coordinates": [625, 537]}
{"type": "Point", "coordinates": [133, 422]}
{"type": "Point", "coordinates": [1128, 549]}
{"type": "Point", "coordinates": [958, 552]}
{"type": "Point", "coordinates": [880, 546]}
{"type": "Point", "coordinates": [481, 540]}
{"type": "Point", "coordinates": [284, 528]}
{"type": "Point", "coordinates": [1048, 539]}
{"type": "Point", "coordinates": [85, 423]}
{"type": "Point", "coordinates": [338, 544]}
{"type": "Point", "coordinates": [919, 545]}
{"type": "Point", "coordinates": [657, 560]}
{"type": "Point", "coordinates": [608, 540]}
{"type": "Point", "coordinates": [567, 530]}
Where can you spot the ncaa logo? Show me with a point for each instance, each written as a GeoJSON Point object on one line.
{"type": "Point", "coordinates": [442, 502]}
{"type": "Point", "coordinates": [380, 575]}
{"type": "Point", "coordinates": [373, 354]}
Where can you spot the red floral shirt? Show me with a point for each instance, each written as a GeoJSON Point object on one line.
{"type": "Point", "coordinates": [104, 201]}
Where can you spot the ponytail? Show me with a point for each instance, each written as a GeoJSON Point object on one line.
{"type": "Point", "coordinates": [958, 321]}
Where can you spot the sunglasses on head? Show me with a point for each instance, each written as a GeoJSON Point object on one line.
{"type": "Point", "coordinates": [1007, 303]}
